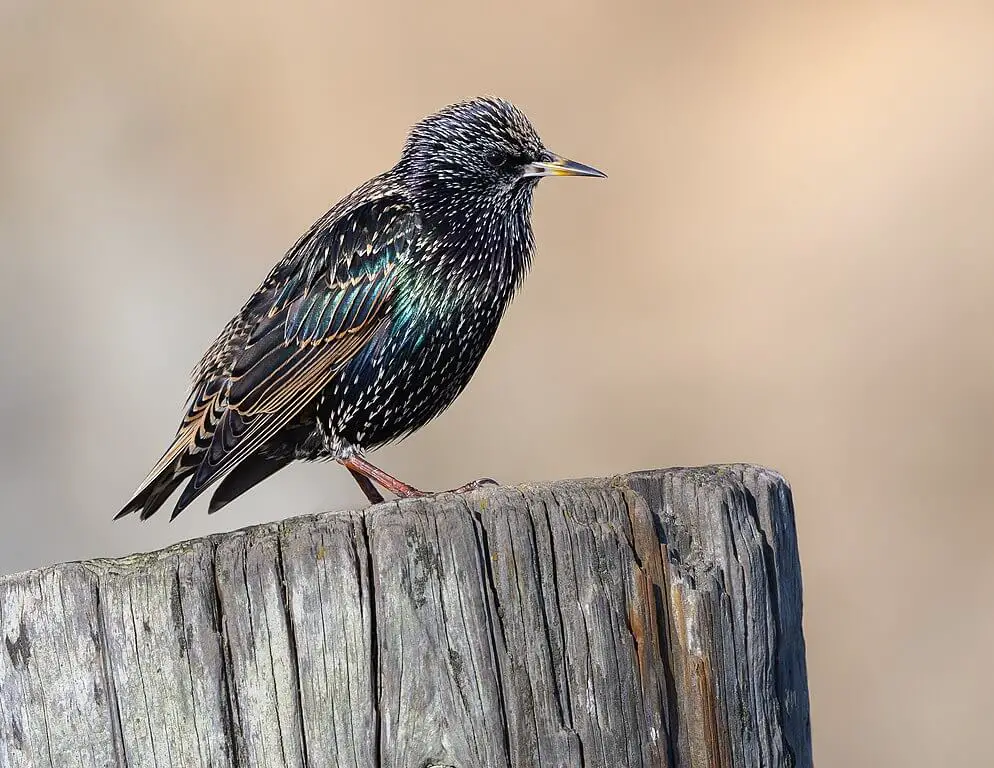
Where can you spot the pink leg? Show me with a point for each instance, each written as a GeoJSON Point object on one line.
{"type": "Point", "coordinates": [366, 474]}
{"type": "Point", "coordinates": [358, 465]}
{"type": "Point", "coordinates": [374, 496]}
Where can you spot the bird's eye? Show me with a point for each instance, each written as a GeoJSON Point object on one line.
{"type": "Point", "coordinates": [505, 162]}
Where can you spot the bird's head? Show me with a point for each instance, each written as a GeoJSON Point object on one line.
{"type": "Point", "coordinates": [484, 150]}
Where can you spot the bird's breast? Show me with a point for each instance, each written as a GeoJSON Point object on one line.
{"type": "Point", "coordinates": [416, 366]}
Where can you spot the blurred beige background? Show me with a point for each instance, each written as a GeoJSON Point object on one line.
{"type": "Point", "coordinates": [792, 263]}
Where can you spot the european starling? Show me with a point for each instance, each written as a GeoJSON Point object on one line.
{"type": "Point", "coordinates": [375, 320]}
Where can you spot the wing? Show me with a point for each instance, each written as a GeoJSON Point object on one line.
{"type": "Point", "coordinates": [315, 311]}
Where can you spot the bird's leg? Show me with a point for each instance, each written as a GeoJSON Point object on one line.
{"type": "Point", "coordinates": [365, 474]}
{"type": "Point", "coordinates": [359, 466]}
{"type": "Point", "coordinates": [374, 496]}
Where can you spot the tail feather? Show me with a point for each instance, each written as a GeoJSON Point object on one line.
{"type": "Point", "coordinates": [176, 464]}
{"type": "Point", "coordinates": [153, 494]}
{"type": "Point", "coordinates": [181, 462]}
{"type": "Point", "coordinates": [244, 476]}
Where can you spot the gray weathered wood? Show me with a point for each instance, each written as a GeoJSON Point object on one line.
{"type": "Point", "coordinates": [652, 619]}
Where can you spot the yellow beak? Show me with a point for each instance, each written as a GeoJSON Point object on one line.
{"type": "Point", "coordinates": [560, 166]}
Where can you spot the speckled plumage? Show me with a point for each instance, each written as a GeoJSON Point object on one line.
{"type": "Point", "coordinates": [375, 320]}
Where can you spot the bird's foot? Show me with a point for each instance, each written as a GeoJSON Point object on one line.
{"type": "Point", "coordinates": [475, 485]}
{"type": "Point", "coordinates": [367, 474]}
{"type": "Point", "coordinates": [405, 491]}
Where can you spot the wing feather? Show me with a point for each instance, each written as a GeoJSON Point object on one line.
{"type": "Point", "coordinates": [328, 298]}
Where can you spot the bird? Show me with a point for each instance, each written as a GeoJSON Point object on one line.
{"type": "Point", "coordinates": [374, 321]}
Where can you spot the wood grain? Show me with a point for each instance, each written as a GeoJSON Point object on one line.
{"type": "Point", "coordinates": [651, 619]}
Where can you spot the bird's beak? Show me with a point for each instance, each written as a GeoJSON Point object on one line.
{"type": "Point", "coordinates": [560, 166]}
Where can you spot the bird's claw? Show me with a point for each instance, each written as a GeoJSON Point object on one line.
{"type": "Point", "coordinates": [410, 492]}
{"type": "Point", "coordinates": [475, 485]}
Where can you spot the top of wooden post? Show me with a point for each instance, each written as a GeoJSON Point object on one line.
{"type": "Point", "coordinates": [648, 619]}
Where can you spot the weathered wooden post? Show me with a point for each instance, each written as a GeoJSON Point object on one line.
{"type": "Point", "coordinates": [652, 619]}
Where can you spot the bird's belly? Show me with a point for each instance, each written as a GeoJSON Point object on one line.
{"type": "Point", "coordinates": [405, 378]}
